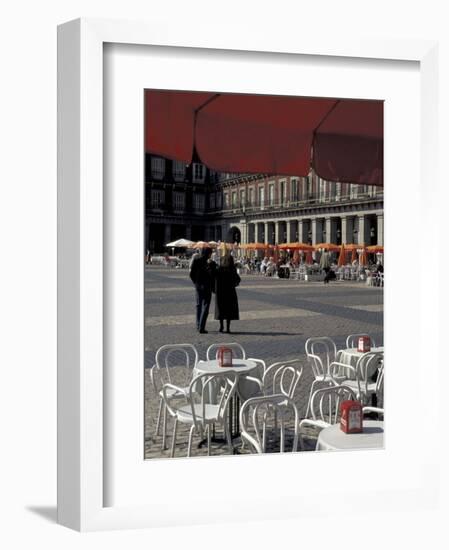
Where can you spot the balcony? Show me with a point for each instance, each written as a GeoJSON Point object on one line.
{"type": "Point", "coordinates": [306, 203]}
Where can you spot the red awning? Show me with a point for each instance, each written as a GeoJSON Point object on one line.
{"type": "Point", "coordinates": [341, 139]}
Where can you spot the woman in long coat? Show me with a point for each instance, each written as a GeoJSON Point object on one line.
{"type": "Point", "coordinates": [226, 302]}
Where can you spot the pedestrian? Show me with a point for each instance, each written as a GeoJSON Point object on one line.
{"type": "Point", "coordinates": [202, 274]}
{"type": "Point", "coordinates": [195, 255]}
{"type": "Point", "coordinates": [226, 302]}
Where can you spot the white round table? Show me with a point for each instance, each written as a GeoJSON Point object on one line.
{"type": "Point", "coordinates": [245, 388]}
{"type": "Point", "coordinates": [334, 439]}
{"type": "Point", "coordinates": [239, 366]}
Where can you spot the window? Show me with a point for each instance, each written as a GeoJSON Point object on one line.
{"type": "Point", "coordinates": [282, 192]}
{"type": "Point", "coordinates": [179, 170]}
{"type": "Point", "coordinates": [294, 190]}
{"type": "Point", "coordinates": [309, 187]}
{"type": "Point", "coordinates": [242, 198]}
{"type": "Point", "coordinates": [305, 188]}
{"type": "Point", "coordinates": [353, 191]}
{"type": "Point", "coordinates": [212, 201]}
{"type": "Point", "coordinates": [157, 168]}
{"type": "Point", "coordinates": [157, 198]}
{"type": "Point", "coordinates": [234, 199]}
{"type": "Point", "coordinates": [198, 202]}
{"type": "Point", "coordinates": [261, 197]}
{"type": "Point", "coordinates": [321, 190]}
{"type": "Point", "coordinates": [271, 194]}
{"type": "Point", "coordinates": [251, 196]}
{"type": "Point", "coordinates": [219, 200]}
{"type": "Point", "coordinates": [226, 200]}
{"type": "Point", "coordinates": [338, 191]}
{"type": "Point", "coordinates": [179, 200]}
{"type": "Point", "coordinates": [198, 172]}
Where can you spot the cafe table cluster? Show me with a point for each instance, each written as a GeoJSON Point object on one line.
{"type": "Point", "coordinates": [243, 405]}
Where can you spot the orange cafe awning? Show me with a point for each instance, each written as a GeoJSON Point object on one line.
{"type": "Point", "coordinates": [341, 139]}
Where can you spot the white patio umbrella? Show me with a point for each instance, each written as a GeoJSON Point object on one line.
{"type": "Point", "coordinates": [180, 243]}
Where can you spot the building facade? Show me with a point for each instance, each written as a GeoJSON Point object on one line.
{"type": "Point", "coordinates": [196, 203]}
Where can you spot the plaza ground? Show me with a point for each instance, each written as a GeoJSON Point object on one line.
{"type": "Point", "coordinates": [276, 318]}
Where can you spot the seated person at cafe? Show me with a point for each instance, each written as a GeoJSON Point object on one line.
{"type": "Point", "coordinates": [271, 268]}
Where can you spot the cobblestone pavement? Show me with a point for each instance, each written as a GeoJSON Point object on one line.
{"type": "Point", "coordinates": [277, 316]}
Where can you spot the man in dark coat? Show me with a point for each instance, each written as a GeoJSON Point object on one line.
{"type": "Point", "coordinates": [202, 275]}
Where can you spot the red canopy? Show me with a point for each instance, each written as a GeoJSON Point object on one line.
{"type": "Point", "coordinates": [342, 139]}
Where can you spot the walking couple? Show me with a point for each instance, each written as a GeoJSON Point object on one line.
{"type": "Point", "coordinates": [221, 280]}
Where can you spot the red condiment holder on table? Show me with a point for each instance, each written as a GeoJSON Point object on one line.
{"type": "Point", "coordinates": [364, 344]}
{"type": "Point", "coordinates": [351, 420]}
{"type": "Point", "coordinates": [224, 357]}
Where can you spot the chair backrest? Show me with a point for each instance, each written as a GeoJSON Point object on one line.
{"type": "Point", "coordinates": [321, 351]}
{"type": "Point", "coordinates": [283, 378]}
{"type": "Point", "coordinates": [352, 340]}
{"type": "Point", "coordinates": [171, 356]}
{"type": "Point", "coordinates": [380, 378]}
{"type": "Point", "coordinates": [203, 386]}
{"type": "Point", "coordinates": [325, 403]}
{"type": "Point", "coordinates": [255, 415]}
{"type": "Point", "coordinates": [238, 351]}
{"type": "Point", "coordinates": [366, 367]}
{"type": "Point", "coordinates": [369, 409]}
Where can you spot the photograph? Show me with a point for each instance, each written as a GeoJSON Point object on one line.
{"type": "Point", "coordinates": [264, 274]}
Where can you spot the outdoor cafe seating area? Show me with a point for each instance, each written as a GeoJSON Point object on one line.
{"type": "Point", "coordinates": [297, 261]}
{"type": "Point", "coordinates": [228, 403]}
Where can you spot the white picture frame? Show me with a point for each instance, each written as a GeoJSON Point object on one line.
{"type": "Point", "coordinates": [82, 406]}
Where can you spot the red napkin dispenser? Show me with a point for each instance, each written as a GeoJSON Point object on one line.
{"type": "Point", "coordinates": [224, 356]}
{"type": "Point", "coordinates": [364, 344]}
{"type": "Point", "coordinates": [351, 419]}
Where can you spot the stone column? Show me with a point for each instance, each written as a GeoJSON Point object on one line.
{"type": "Point", "coordinates": [245, 233]}
{"type": "Point", "coordinates": [328, 226]}
{"type": "Point", "coordinates": [276, 232]}
{"type": "Point", "coordinates": [314, 231]}
{"type": "Point", "coordinates": [362, 230]}
{"type": "Point", "coordinates": [266, 241]}
{"type": "Point", "coordinates": [344, 230]}
{"type": "Point", "coordinates": [301, 236]}
{"type": "Point", "coordinates": [289, 231]}
{"type": "Point", "coordinates": [380, 229]}
{"type": "Point", "coordinates": [256, 232]}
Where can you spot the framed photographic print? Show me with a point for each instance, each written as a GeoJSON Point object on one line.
{"type": "Point", "coordinates": [227, 218]}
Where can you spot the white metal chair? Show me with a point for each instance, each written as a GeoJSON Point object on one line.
{"type": "Point", "coordinates": [254, 418]}
{"type": "Point", "coordinates": [353, 339]}
{"type": "Point", "coordinates": [380, 279]}
{"type": "Point", "coordinates": [325, 407]}
{"type": "Point", "coordinates": [369, 409]}
{"type": "Point", "coordinates": [321, 352]}
{"type": "Point", "coordinates": [282, 377]}
{"type": "Point", "coordinates": [197, 409]}
{"type": "Point", "coordinates": [363, 378]}
{"type": "Point", "coordinates": [168, 357]}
